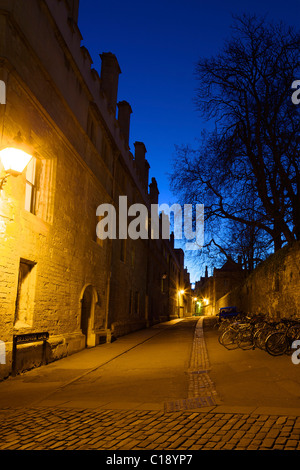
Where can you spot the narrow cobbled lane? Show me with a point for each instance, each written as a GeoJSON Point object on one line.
{"type": "Point", "coordinates": [189, 421]}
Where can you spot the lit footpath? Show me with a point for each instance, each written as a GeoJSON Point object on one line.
{"type": "Point", "coordinates": [178, 432]}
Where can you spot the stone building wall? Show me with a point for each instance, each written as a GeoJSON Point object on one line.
{"type": "Point", "coordinates": [211, 288]}
{"type": "Point", "coordinates": [57, 241]}
{"type": "Point", "coordinates": [55, 274]}
{"type": "Point", "coordinates": [273, 288]}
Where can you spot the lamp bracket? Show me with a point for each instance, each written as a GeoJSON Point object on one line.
{"type": "Point", "coordinates": [3, 181]}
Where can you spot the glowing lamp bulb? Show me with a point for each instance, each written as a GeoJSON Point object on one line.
{"type": "Point", "coordinates": [14, 160]}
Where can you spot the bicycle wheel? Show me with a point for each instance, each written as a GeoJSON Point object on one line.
{"type": "Point", "coordinates": [245, 339]}
{"type": "Point", "coordinates": [276, 343]}
{"type": "Point", "coordinates": [293, 332]}
{"type": "Point", "coordinates": [260, 338]}
{"type": "Point", "coordinates": [228, 338]}
{"type": "Point", "coordinates": [223, 325]}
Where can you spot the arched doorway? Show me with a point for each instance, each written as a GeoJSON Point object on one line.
{"type": "Point", "coordinates": [89, 298]}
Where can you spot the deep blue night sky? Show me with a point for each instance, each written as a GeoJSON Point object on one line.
{"type": "Point", "coordinates": [157, 44]}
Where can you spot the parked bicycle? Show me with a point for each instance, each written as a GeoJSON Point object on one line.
{"type": "Point", "coordinates": [239, 332]}
{"type": "Point", "coordinates": [257, 331]}
{"type": "Point", "coordinates": [280, 342]}
{"type": "Point", "coordinates": [246, 336]}
{"type": "Point", "coordinates": [228, 336]}
{"type": "Point", "coordinates": [264, 330]}
{"type": "Point", "coordinates": [225, 323]}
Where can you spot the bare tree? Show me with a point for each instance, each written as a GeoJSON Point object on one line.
{"type": "Point", "coordinates": [247, 169]}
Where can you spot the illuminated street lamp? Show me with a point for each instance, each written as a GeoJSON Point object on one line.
{"type": "Point", "coordinates": [14, 162]}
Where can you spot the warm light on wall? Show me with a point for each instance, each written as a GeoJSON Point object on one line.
{"type": "Point", "coordinates": [205, 301]}
{"type": "Point", "coordinates": [181, 292]}
{"type": "Point", "coordinates": [14, 162]}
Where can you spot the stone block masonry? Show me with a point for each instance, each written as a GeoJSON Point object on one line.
{"type": "Point", "coordinates": [55, 275]}
{"type": "Point", "coordinates": [272, 288]}
{"type": "Point", "coordinates": [80, 429]}
{"type": "Point", "coordinates": [201, 389]}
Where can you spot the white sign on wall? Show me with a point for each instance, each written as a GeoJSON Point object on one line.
{"type": "Point", "coordinates": [2, 353]}
{"type": "Point", "coordinates": [2, 92]}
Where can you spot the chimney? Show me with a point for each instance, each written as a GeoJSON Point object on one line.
{"type": "Point", "coordinates": [146, 173]}
{"type": "Point", "coordinates": [110, 72]}
{"type": "Point", "coordinates": [124, 112]}
{"type": "Point", "coordinates": [153, 193]}
{"type": "Point", "coordinates": [172, 237]}
{"type": "Point", "coordinates": [140, 152]}
{"type": "Point", "coordinates": [142, 164]}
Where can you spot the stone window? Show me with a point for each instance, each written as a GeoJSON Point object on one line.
{"type": "Point", "coordinates": [130, 303]}
{"type": "Point", "coordinates": [32, 177]}
{"type": "Point", "coordinates": [106, 153]}
{"type": "Point", "coordinates": [91, 132]}
{"type": "Point", "coordinates": [163, 284]}
{"type": "Point", "coordinates": [137, 303]}
{"type": "Point", "coordinates": [39, 188]}
{"type": "Point", "coordinates": [25, 294]}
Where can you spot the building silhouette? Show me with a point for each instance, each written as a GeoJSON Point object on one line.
{"type": "Point", "coordinates": [209, 289]}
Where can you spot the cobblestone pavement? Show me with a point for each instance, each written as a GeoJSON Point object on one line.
{"type": "Point", "coordinates": [70, 429]}
{"type": "Point", "coordinates": [187, 425]}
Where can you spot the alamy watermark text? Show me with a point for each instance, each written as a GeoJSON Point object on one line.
{"type": "Point", "coordinates": [185, 225]}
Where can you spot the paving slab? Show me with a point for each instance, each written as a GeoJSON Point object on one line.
{"type": "Point", "coordinates": [203, 419]}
